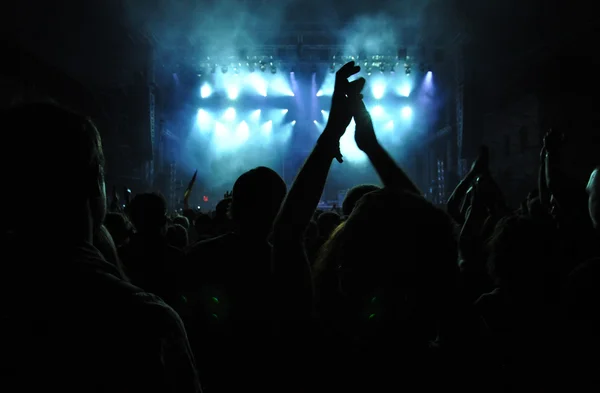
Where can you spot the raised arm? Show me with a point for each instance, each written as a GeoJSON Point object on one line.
{"type": "Point", "coordinates": [389, 172]}
{"type": "Point", "coordinates": [290, 266]}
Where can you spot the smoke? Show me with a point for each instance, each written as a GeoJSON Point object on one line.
{"type": "Point", "coordinates": [378, 32]}
{"type": "Point", "coordinates": [218, 27]}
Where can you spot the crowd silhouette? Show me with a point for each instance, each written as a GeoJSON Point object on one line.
{"type": "Point", "coordinates": [387, 293]}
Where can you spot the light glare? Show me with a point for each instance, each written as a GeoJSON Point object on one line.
{"type": "Point", "coordinates": [205, 91]}
{"type": "Point", "coordinates": [229, 114]}
{"type": "Point", "coordinates": [406, 112]}
{"type": "Point", "coordinates": [232, 92]}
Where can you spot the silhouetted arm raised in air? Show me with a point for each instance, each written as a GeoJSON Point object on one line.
{"type": "Point", "coordinates": [290, 265]}
{"type": "Point", "coordinates": [389, 172]}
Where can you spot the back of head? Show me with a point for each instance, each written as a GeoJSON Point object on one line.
{"type": "Point", "coordinates": [354, 195]}
{"type": "Point", "coordinates": [118, 226]}
{"type": "Point", "coordinates": [51, 157]}
{"type": "Point", "coordinates": [177, 236]}
{"type": "Point", "coordinates": [183, 221]}
{"type": "Point", "coordinates": [327, 222]}
{"type": "Point", "coordinates": [257, 197]}
{"type": "Point", "coordinates": [203, 224]}
{"type": "Point", "coordinates": [395, 246]}
{"type": "Point", "coordinates": [148, 213]}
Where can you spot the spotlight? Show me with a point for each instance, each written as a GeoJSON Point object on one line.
{"type": "Point", "coordinates": [273, 68]}
{"type": "Point", "coordinates": [263, 67]}
{"type": "Point", "coordinates": [368, 69]}
{"type": "Point", "coordinates": [407, 69]}
{"type": "Point", "coordinates": [224, 69]}
{"type": "Point", "coordinates": [236, 69]}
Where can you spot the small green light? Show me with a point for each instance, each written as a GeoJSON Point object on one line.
{"type": "Point", "coordinates": [215, 300]}
{"type": "Point", "coordinates": [371, 316]}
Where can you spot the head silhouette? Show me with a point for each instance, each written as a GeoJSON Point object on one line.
{"type": "Point", "coordinates": [257, 197]}
{"type": "Point", "coordinates": [60, 165]}
{"type": "Point", "coordinates": [327, 222]}
{"type": "Point", "coordinates": [354, 195]}
{"type": "Point", "coordinates": [399, 249]}
{"type": "Point", "coordinates": [148, 213]}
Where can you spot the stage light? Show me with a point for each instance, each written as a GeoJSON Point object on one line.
{"type": "Point", "coordinates": [325, 114]}
{"type": "Point", "coordinates": [232, 92]}
{"type": "Point", "coordinates": [293, 122]}
{"type": "Point", "coordinates": [258, 83]}
{"type": "Point", "coordinates": [268, 126]}
{"type": "Point", "coordinates": [284, 111]}
{"type": "Point", "coordinates": [242, 132]}
{"type": "Point", "coordinates": [377, 111]}
{"type": "Point", "coordinates": [404, 90]}
{"type": "Point", "coordinates": [378, 90]}
{"type": "Point", "coordinates": [406, 112]}
{"type": "Point", "coordinates": [205, 91]}
{"type": "Point", "coordinates": [319, 93]}
{"type": "Point", "coordinates": [273, 68]}
{"type": "Point", "coordinates": [316, 122]}
{"type": "Point", "coordinates": [229, 114]}
{"type": "Point", "coordinates": [203, 117]}
{"type": "Point", "coordinates": [220, 130]}
{"type": "Point", "coordinates": [389, 125]}
{"type": "Point", "coordinates": [255, 115]}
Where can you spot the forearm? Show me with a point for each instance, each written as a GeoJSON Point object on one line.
{"type": "Point", "coordinates": [543, 186]}
{"type": "Point", "coordinates": [455, 203]}
{"type": "Point", "coordinates": [391, 175]}
{"type": "Point", "coordinates": [304, 195]}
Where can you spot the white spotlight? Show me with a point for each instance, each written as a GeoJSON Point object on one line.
{"type": "Point", "coordinates": [205, 91]}
{"type": "Point", "coordinates": [377, 111]}
{"type": "Point", "coordinates": [268, 126]}
{"type": "Point", "coordinates": [284, 111]}
{"type": "Point", "coordinates": [203, 116]}
{"type": "Point", "coordinates": [294, 122]}
{"type": "Point", "coordinates": [319, 93]}
{"type": "Point", "coordinates": [229, 114]}
{"type": "Point", "coordinates": [378, 90]}
{"type": "Point", "coordinates": [406, 112]}
{"type": "Point", "coordinates": [233, 92]}
{"type": "Point", "coordinates": [242, 132]}
{"type": "Point", "coordinates": [255, 115]}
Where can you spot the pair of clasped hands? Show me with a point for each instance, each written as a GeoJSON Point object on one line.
{"type": "Point", "coordinates": [347, 103]}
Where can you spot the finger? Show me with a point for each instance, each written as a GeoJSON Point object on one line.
{"type": "Point", "coordinates": [347, 71]}
{"type": "Point", "coordinates": [356, 86]}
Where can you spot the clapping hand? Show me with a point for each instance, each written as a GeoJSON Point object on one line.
{"type": "Point", "coordinates": [364, 134]}
{"type": "Point", "coordinates": [345, 92]}
{"type": "Point", "coordinates": [482, 163]}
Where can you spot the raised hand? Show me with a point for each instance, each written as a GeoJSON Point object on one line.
{"type": "Point", "coordinates": [341, 103]}
{"type": "Point", "coordinates": [364, 134]}
{"type": "Point", "coordinates": [482, 163]}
